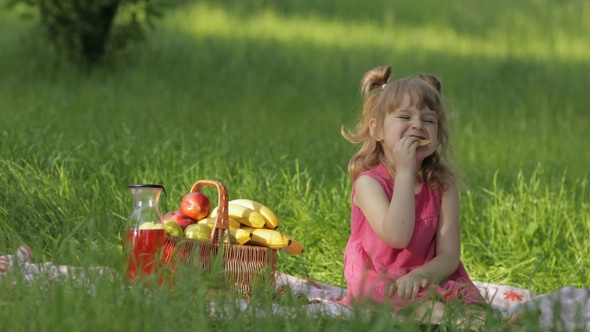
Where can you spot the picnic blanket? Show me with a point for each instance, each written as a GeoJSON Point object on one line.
{"type": "Point", "coordinates": [569, 306]}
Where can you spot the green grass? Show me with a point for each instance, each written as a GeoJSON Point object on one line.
{"type": "Point", "coordinates": [254, 96]}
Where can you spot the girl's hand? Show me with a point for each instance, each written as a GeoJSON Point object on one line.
{"type": "Point", "coordinates": [408, 286]}
{"type": "Point", "coordinates": [404, 154]}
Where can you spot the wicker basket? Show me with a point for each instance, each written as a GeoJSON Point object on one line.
{"type": "Point", "coordinates": [244, 265]}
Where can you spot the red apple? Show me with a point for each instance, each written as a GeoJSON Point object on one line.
{"type": "Point", "coordinates": [178, 217]}
{"type": "Point", "coordinates": [195, 205]}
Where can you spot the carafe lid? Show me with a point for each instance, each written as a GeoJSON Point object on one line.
{"type": "Point", "coordinates": [148, 185]}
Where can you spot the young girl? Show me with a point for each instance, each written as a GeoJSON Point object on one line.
{"type": "Point", "coordinates": [404, 246]}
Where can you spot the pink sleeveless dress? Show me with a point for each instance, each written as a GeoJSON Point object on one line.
{"type": "Point", "coordinates": [370, 265]}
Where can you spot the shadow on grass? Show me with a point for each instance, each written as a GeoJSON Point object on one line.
{"type": "Point", "coordinates": [291, 97]}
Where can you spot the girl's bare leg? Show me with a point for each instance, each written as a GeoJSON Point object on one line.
{"type": "Point", "coordinates": [473, 318]}
{"type": "Point", "coordinates": [429, 312]}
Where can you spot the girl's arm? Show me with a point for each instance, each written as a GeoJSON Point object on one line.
{"type": "Point", "coordinates": [448, 250]}
{"type": "Point", "coordinates": [392, 221]}
{"type": "Point", "coordinates": [448, 241]}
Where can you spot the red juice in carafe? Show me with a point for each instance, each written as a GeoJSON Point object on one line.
{"type": "Point", "coordinates": [144, 249]}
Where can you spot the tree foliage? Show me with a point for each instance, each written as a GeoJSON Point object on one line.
{"type": "Point", "coordinates": [86, 30]}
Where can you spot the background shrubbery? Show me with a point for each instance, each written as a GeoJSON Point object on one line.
{"type": "Point", "coordinates": [83, 31]}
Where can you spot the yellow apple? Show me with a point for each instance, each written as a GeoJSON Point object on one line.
{"type": "Point", "coordinates": [200, 232]}
{"type": "Point", "coordinates": [173, 228]}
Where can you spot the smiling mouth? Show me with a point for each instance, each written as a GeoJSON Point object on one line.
{"type": "Point", "coordinates": [424, 142]}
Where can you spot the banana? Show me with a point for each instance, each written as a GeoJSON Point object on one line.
{"type": "Point", "coordinates": [240, 236]}
{"type": "Point", "coordinates": [270, 218]}
{"type": "Point", "coordinates": [294, 247]}
{"type": "Point", "coordinates": [210, 221]}
{"type": "Point", "coordinates": [267, 237]}
{"type": "Point", "coordinates": [243, 215]}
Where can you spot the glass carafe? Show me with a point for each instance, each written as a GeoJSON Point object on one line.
{"type": "Point", "coordinates": [144, 237]}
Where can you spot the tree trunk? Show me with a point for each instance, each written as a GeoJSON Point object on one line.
{"type": "Point", "coordinates": [94, 38]}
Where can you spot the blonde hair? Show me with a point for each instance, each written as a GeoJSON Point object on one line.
{"type": "Point", "coordinates": [380, 98]}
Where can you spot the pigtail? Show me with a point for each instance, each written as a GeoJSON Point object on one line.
{"type": "Point", "coordinates": [381, 97]}
{"type": "Point", "coordinates": [374, 79]}
{"type": "Point", "coordinates": [432, 80]}
{"type": "Point", "coordinates": [369, 155]}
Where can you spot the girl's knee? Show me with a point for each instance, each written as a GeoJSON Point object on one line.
{"type": "Point", "coordinates": [431, 312]}
{"type": "Point", "coordinates": [438, 310]}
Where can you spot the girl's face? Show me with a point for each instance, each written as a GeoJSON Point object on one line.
{"type": "Point", "coordinates": [408, 120]}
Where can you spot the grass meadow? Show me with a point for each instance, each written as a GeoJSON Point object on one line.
{"type": "Point", "coordinates": [254, 94]}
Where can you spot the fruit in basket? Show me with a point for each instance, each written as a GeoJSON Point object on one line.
{"type": "Point", "coordinates": [243, 215]}
{"type": "Point", "coordinates": [239, 236]}
{"type": "Point", "coordinates": [210, 221]}
{"type": "Point", "coordinates": [173, 228]}
{"type": "Point", "coordinates": [178, 217]}
{"type": "Point", "coordinates": [294, 247]}
{"type": "Point", "coordinates": [270, 218]}
{"type": "Point", "coordinates": [267, 237]}
{"type": "Point", "coordinates": [200, 232]}
{"type": "Point", "coordinates": [195, 205]}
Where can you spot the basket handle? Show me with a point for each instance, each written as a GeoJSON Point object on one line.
{"type": "Point", "coordinates": [221, 228]}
